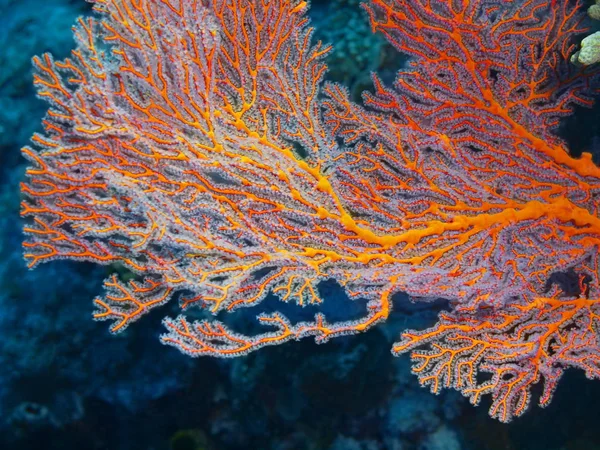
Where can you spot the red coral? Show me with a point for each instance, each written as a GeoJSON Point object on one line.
{"type": "Point", "coordinates": [189, 141]}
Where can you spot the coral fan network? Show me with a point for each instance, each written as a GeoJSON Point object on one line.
{"type": "Point", "coordinates": [196, 144]}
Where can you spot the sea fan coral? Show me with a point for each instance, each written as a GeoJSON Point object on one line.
{"type": "Point", "coordinates": [195, 143]}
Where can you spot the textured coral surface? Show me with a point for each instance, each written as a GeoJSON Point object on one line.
{"type": "Point", "coordinates": [195, 144]}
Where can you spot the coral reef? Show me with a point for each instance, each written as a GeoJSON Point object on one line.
{"type": "Point", "coordinates": [590, 46]}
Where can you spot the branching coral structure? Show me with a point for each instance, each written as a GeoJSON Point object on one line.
{"type": "Point", "coordinates": [195, 143]}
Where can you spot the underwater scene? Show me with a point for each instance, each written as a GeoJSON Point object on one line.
{"type": "Point", "coordinates": [300, 225]}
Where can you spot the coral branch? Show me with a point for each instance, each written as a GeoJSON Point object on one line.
{"type": "Point", "coordinates": [215, 339]}
{"type": "Point", "coordinates": [516, 348]}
